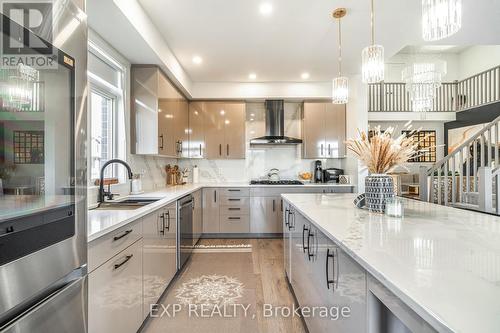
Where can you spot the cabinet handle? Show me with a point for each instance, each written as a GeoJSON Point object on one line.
{"type": "Point", "coordinates": [162, 227]}
{"type": "Point", "coordinates": [161, 145]}
{"type": "Point", "coordinates": [215, 196]}
{"type": "Point", "coordinates": [274, 205]}
{"type": "Point", "coordinates": [125, 233]}
{"type": "Point", "coordinates": [227, 150]}
{"type": "Point", "coordinates": [180, 146]}
{"type": "Point", "coordinates": [127, 258]}
{"type": "Point", "coordinates": [234, 190]}
{"type": "Point", "coordinates": [287, 212]}
{"type": "Point", "coordinates": [233, 199]}
{"type": "Point", "coordinates": [332, 254]}
{"type": "Point", "coordinates": [309, 236]}
{"type": "Point", "coordinates": [291, 217]}
{"type": "Point", "coordinates": [233, 218]}
{"type": "Point", "coordinates": [200, 150]}
{"type": "Point", "coordinates": [281, 204]}
{"type": "Point", "coordinates": [321, 149]}
{"type": "Point", "coordinates": [304, 247]}
{"type": "Point", "coordinates": [220, 149]}
{"type": "Point", "coordinates": [168, 221]}
{"type": "Point", "coordinates": [329, 150]}
{"type": "Point", "coordinates": [233, 208]}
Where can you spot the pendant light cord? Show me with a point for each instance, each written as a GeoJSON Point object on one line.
{"type": "Point", "coordinates": [340, 48]}
{"type": "Point", "coordinates": [372, 18]}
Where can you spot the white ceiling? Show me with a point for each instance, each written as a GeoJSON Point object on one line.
{"type": "Point", "coordinates": [234, 39]}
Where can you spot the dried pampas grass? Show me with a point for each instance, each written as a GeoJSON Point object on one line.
{"type": "Point", "coordinates": [382, 153]}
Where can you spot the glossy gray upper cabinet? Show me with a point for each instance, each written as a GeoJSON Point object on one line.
{"type": "Point", "coordinates": [196, 130]}
{"type": "Point", "coordinates": [159, 114]}
{"type": "Point", "coordinates": [324, 130]}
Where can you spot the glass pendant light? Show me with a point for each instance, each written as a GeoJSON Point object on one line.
{"type": "Point", "coordinates": [372, 58]}
{"type": "Point", "coordinates": [422, 78]}
{"type": "Point", "coordinates": [340, 84]}
{"type": "Point", "coordinates": [440, 18]}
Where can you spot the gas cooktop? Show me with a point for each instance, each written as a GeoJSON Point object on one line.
{"type": "Point", "coordinates": [276, 182]}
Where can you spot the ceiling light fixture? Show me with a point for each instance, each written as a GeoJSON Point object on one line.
{"type": "Point", "coordinates": [440, 18]}
{"type": "Point", "coordinates": [372, 57]}
{"type": "Point", "coordinates": [252, 76]}
{"type": "Point", "coordinates": [422, 78]}
{"type": "Point", "coordinates": [305, 76]}
{"type": "Point", "coordinates": [197, 60]}
{"type": "Point", "coordinates": [340, 84]}
{"type": "Point", "coordinates": [266, 8]}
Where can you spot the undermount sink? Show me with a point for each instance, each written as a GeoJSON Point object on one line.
{"type": "Point", "coordinates": [127, 204]}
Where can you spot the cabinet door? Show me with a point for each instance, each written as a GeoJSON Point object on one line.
{"type": "Point", "coordinates": [335, 130]}
{"type": "Point", "coordinates": [159, 255]}
{"type": "Point", "coordinates": [264, 215]}
{"type": "Point", "coordinates": [182, 128]}
{"type": "Point", "coordinates": [210, 210]}
{"type": "Point", "coordinates": [314, 145]}
{"type": "Point", "coordinates": [115, 293]}
{"type": "Point", "coordinates": [214, 116]}
{"type": "Point", "coordinates": [299, 265]}
{"type": "Point", "coordinates": [168, 98]}
{"type": "Point", "coordinates": [144, 116]}
{"type": "Point", "coordinates": [196, 130]}
{"type": "Point", "coordinates": [234, 123]}
{"type": "Point", "coordinates": [197, 217]}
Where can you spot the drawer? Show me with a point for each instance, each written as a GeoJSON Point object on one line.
{"type": "Point", "coordinates": [235, 210]}
{"type": "Point", "coordinates": [234, 192]}
{"type": "Point", "coordinates": [235, 224]}
{"type": "Point", "coordinates": [115, 293]}
{"type": "Point", "coordinates": [235, 201]}
{"type": "Point", "coordinates": [104, 248]}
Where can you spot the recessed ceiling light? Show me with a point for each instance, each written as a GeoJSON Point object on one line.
{"type": "Point", "coordinates": [305, 76]}
{"type": "Point", "coordinates": [222, 112]}
{"type": "Point", "coordinates": [252, 76]}
{"type": "Point", "coordinates": [252, 114]}
{"type": "Point", "coordinates": [197, 60]}
{"type": "Point", "coordinates": [266, 8]}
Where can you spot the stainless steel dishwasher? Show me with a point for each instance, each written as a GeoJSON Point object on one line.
{"type": "Point", "coordinates": [185, 230]}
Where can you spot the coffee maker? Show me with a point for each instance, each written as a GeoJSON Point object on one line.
{"type": "Point", "coordinates": [318, 172]}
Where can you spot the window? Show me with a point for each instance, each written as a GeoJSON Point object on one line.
{"type": "Point", "coordinates": [102, 145]}
{"type": "Point", "coordinates": [28, 147]}
{"type": "Point", "coordinates": [106, 113]}
{"type": "Point", "coordinates": [426, 145]}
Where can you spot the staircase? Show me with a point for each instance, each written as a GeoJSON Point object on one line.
{"type": "Point", "coordinates": [469, 176]}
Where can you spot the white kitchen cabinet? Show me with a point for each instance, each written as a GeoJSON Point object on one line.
{"type": "Point", "coordinates": [115, 293]}
{"type": "Point", "coordinates": [211, 211]}
{"type": "Point", "coordinates": [265, 215]}
{"type": "Point", "coordinates": [323, 274]}
{"type": "Point", "coordinates": [159, 253]}
{"type": "Point", "coordinates": [197, 216]}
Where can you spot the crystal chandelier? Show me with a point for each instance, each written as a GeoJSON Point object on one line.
{"type": "Point", "coordinates": [422, 79]}
{"type": "Point", "coordinates": [440, 18]}
{"type": "Point", "coordinates": [372, 58]}
{"type": "Point", "coordinates": [340, 84]}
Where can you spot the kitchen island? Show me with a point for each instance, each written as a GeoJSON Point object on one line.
{"type": "Point", "coordinates": [436, 269]}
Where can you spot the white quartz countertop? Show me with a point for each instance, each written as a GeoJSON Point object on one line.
{"type": "Point", "coordinates": [101, 222]}
{"type": "Point", "coordinates": [443, 262]}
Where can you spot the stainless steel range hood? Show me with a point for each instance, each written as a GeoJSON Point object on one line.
{"type": "Point", "coordinates": [275, 126]}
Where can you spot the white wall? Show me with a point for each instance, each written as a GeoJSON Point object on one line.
{"type": "Point", "coordinates": [152, 167]}
{"type": "Point", "coordinates": [424, 125]}
{"type": "Point", "coordinates": [476, 59]}
{"type": "Point", "coordinates": [397, 63]}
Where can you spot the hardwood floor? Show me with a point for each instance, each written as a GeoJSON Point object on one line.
{"type": "Point", "coordinates": [241, 272]}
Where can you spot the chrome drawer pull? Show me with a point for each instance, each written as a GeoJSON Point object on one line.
{"type": "Point", "coordinates": [127, 258]}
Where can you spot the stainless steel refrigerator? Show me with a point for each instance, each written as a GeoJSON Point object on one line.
{"type": "Point", "coordinates": [43, 246]}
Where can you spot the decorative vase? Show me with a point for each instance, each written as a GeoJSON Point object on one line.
{"type": "Point", "coordinates": [378, 188]}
